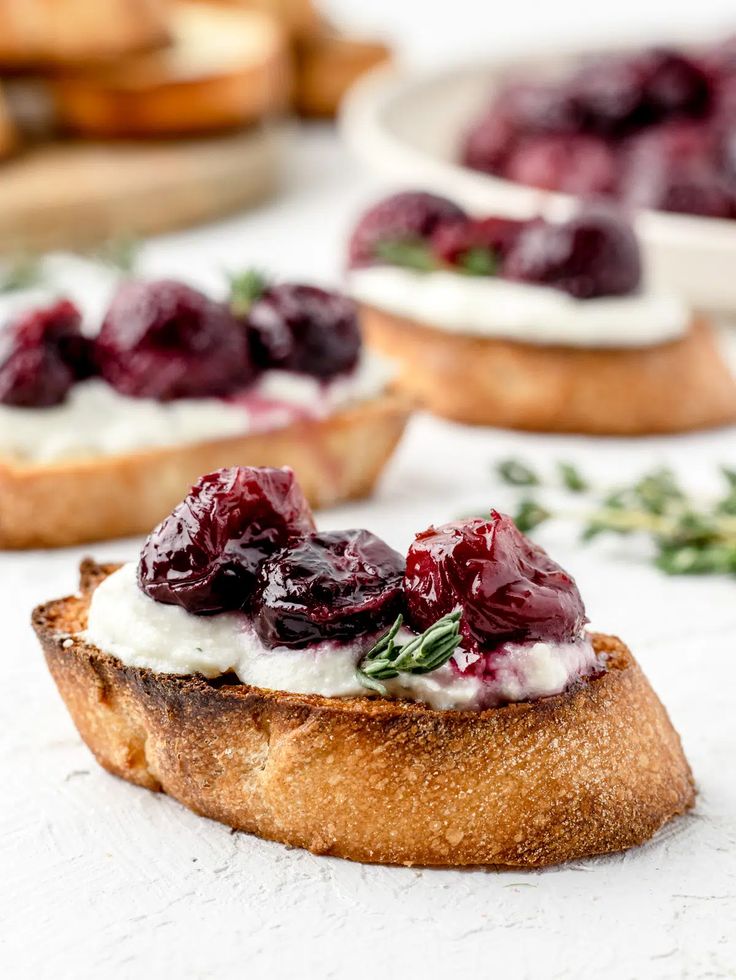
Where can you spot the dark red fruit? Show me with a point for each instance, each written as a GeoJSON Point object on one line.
{"type": "Point", "coordinates": [674, 85]}
{"type": "Point", "coordinates": [206, 554]}
{"type": "Point", "coordinates": [490, 140]}
{"type": "Point", "coordinates": [407, 217]}
{"type": "Point", "coordinates": [165, 340]}
{"type": "Point", "coordinates": [610, 94]}
{"type": "Point", "coordinates": [594, 254]}
{"type": "Point", "coordinates": [507, 587]}
{"type": "Point", "coordinates": [333, 585]}
{"type": "Point", "coordinates": [42, 353]}
{"type": "Point", "coordinates": [304, 329]}
{"type": "Point", "coordinates": [575, 163]}
{"type": "Point", "coordinates": [456, 243]}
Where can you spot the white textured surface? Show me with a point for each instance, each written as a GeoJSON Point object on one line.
{"type": "Point", "coordinates": [101, 879]}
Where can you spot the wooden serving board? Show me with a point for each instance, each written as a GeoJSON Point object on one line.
{"type": "Point", "coordinates": [76, 194]}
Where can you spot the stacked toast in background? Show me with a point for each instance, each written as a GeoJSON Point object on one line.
{"type": "Point", "coordinates": [162, 68]}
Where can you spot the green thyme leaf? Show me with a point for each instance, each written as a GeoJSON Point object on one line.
{"type": "Point", "coordinates": [22, 272]}
{"type": "Point", "coordinates": [408, 253]}
{"type": "Point", "coordinates": [529, 515]}
{"type": "Point", "coordinates": [421, 655]}
{"type": "Point", "coordinates": [516, 473]}
{"type": "Point", "coordinates": [572, 477]}
{"type": "Point", "coordinates": [245, 288]}
{"type": "Point", "coordinates": [478, 262]}
{"type": "Point", "coordinates": [120, 253]}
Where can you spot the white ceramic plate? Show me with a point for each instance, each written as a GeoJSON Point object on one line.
{"type": "Point", "coordinates": [410, 126]}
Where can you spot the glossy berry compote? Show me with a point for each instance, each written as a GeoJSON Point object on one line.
{"type": "Point", "coordinates": [165, 340]}
{"type": "Point", "coordinates": [330, 586]}
{"type": "Point", "coordinates": [293, 327]}
{"type": "Point", "coordinates": [206, 554]}
{"type": "Point", "coordinates": [593, 254]}
{"type": "Point", "coordinates": [508, 588]}
{"type": "Point", "coordinates": [42, 354]}
{"type": "Point", "coordinates": [405, 218]}
{"type": "Point", "coordinates": [477, 244]}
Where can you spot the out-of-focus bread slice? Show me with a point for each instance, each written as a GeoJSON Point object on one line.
{"type": "Point", "coordinates": [336, 459]}
{"type": "Point", "coordinates": [298, 18]}
{"type": "Point", "coordinates": [327, 64]}
{"type": "Point", "coordinates": [8, 132]}
{"type": "Point", "coordinates": [225, 68]}
{"type": "Point", "coordinates": [60, 32]}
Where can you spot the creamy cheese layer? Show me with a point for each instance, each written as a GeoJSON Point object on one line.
{"type": "Point", "coordinates": [140, 632]}
{"type": "Point", "coordinates": [485, 306]}
{"type": "Point", "coordinates": [95, 420]}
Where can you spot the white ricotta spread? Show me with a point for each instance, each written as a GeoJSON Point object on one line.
{"type": "Point", "coordinates": [140, 632]}
{"type": "Point", "coordinates": [494, 307]}
{"type": "Point", "coordinates": [95, 420]}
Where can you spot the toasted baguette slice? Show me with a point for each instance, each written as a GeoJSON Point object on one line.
{"type": "Point", "coordinates": [8, 131]}
{"type": "Point", "coordinates": [594, 770]}
{"type": "Point", "coordinates": [672, 387]}
{"type": "Point", "coordinates": [299, 18]}
{"type": "Point", "coordinates": [225, 68]}
{"type": "Point", "coordinates": [327, 64]}
{"type": "Point", "coordinates": [41, 33]}
{"type": "Point", "coordinates": [337, 459]}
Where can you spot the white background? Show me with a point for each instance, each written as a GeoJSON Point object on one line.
{"type": "Point", "coordinates": [101, 879]}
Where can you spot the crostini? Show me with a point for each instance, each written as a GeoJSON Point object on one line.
{"type": "Point", "coordinates": [50, 33]}
{"type": "Point", "coordinates": [320, 690]}
{"type": "Point", "coordinates": [99, 436]}
{"type": "Point", "coordinates": [532, 324]}
{"type": "Point", "coordinates": [225, 67]}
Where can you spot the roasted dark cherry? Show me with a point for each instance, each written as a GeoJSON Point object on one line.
{"type": "Point", "coordinates": [490, 140]}
{"type": "Point", "coordinates": [593, 254]}
{"type": "Point", "coordinates": [165, 340]}
{"type": "Point", "coordinates": [42, 354]}
{"type": "Point", "coordinates": [405, 217]}
{"type": "Point", "coordinates": [332, 585]}
{"type": "Point", "coordinates": [575, 162]}
{"type": "Point", "coordinates": [507, 587]}
{"type": "Point", "coordinates": [495, 236]}
{"type": "Point", "coordinates": [206, 554]}
{"type": "Point", "coordinates": [674, 85]}
{"type": "Point", "coordinates": [610, 94]}
{"type": "Point", "coordinates": [304, 329]}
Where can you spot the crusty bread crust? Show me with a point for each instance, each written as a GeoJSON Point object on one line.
{"type": "Point", "coordinates": [161, 94]}
{"type": "Point", "coordinates": [337, 459]}
{"type": "Point", "coordinates": [327, 64]}
{"type": "Point", "coordinates": [673, 387]}
{"type": "Point", "coordinates": [591, 771]}
{"type": "Point", "coordinates": [42, 33]}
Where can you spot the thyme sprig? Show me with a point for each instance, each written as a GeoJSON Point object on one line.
{"type": "Point", "coordinates": [245, 288]}
{"type": "Point", "coordinates": [688, 535]}
{"type": "Point", "coordinates": [420, 655]}
{"type": "Point", "coordinates": [22, 272]}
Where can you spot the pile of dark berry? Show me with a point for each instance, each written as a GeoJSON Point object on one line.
{"type": "Point", "coordinates": [654, 129]}
{"type": "Point", "coordinates": [244, 541]}
{"type": "Point", "coordinates": [166, 340]}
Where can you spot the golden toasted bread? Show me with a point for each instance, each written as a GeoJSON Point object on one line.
{"type": "Point", "coordinates": [677, 386]}
{"type": "Point", "coordinates": [8, 132]}
{"type": "Point", "coordinates": [48, 506]}
{"type": "Point", "coordinates": [42, 33]}
{"type": "Point", "coordinates": [327, 64]}
{"type": "Point", "coordinates": [225, 68]}
{"type": "Point", "coordinates": [594, 770]}
{"type": "Point", "coordinates": [297, 17]}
